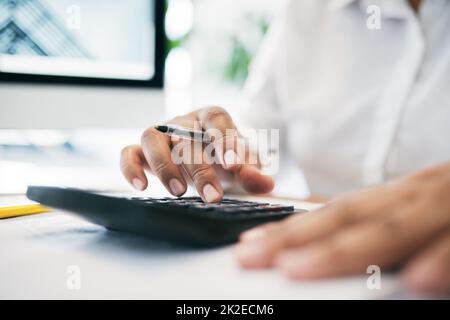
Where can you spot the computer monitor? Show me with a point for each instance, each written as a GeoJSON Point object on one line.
{"type": "Point", "coordinates": [81, 63]}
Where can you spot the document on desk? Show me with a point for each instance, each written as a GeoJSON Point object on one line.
{"type": "Point", "coordinates": [59, 256]}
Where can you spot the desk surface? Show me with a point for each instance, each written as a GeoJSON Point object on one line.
{"type": "Point", "coordinates": [37, 255]}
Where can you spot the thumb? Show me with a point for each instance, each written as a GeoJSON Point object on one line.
{"type": "Point", "coordinates": [253, 181]}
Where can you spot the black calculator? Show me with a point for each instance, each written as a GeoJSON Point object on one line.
{"type": "Point", "coordinates": [185, 220]}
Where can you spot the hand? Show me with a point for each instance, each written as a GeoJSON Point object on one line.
{"type": "Point", "coordinates": [155, 156]}
{"type": "Point", "coordinates": [403, 223]}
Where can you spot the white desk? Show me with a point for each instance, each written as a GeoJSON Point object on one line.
{"type": "Point", "coordinates": [36, 251]}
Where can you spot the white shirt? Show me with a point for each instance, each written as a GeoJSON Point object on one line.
{"type": "Point", "coordinates": [358, 106]}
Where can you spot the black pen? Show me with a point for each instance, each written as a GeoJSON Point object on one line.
{"type": "Point", "coordinates": [184, 133]}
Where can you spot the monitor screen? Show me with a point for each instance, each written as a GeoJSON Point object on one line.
{"type": "Point", "coordinates": [99, 39]}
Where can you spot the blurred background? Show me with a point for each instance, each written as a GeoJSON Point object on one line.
{"type": "Point", "coordinates": [209, 45]}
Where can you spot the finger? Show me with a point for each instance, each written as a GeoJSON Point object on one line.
{"type": "Point", "coordinates": [132, 164]}
{"type": "Point", "coordinates": [253, 181]}
{"type": "Point", "coordinates": [428, 272]}
{"type": "Point", "coordinates": [249, 175]}
{"type": "Point", "coordinates": [198, 167]}
{"type": "Point", "coordinates": [300, 230]}
{"type": "Point", "coordinates": [385, 243]}
{"type": "Point", "coordinates": [157, 152]}
{"type": "Point", "coordinates": [259, 234]}
{"type": "Point", "coordinates": [297, 230]}
{"type": "Point", "coordinates": [219, 125]}
{"type": "Point", "coordinates": [197, 161]}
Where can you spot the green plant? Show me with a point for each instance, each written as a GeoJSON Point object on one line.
{"type": "Point", "coordinates": [237, 68]}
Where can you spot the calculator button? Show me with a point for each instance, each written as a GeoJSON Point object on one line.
{"type": "Point", "coordinates": [227, 206]}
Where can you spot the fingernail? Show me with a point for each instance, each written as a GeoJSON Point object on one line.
{"type": "Point", "coordinates": [176, 187]}
{"type": "Point", "coordinates": [138, 184]}
{"type": "Point", "coordinates": [210, 193]}
{"type": "Point", "coordinates": [253, 235]}
{"type": "Point", "coordinates": [230, 158]}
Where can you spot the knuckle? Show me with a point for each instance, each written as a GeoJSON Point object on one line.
{"type": "Point", "coordinates": [159, 167]}
{"type": "Point", "coordinates": [228, 137]}
{"type": "Point", "coordinates": [201, 172]}
{"type": "Point", "coordinates": [342, 212]}
{"type": "Point", "coordinates": [214, 113]}
{"type": "Point", "coordinates": [411, 195]}
{"type": "Point", "coordinates": [147, 134]}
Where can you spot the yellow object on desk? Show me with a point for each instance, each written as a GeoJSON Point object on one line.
{"type": "Point", "coordinates": [21, 210]}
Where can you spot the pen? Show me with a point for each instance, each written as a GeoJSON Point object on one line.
{"type": "Point", "coordinates": [21, 210]}
{"type": "Point", "coordinates": [185, 133]}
